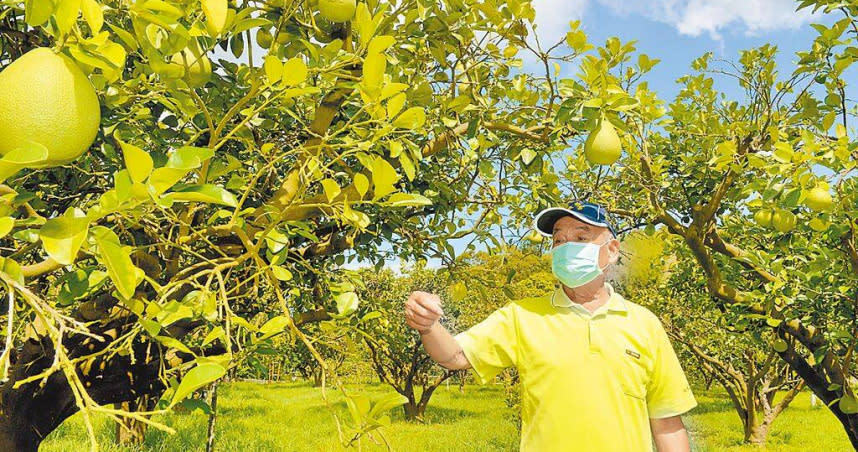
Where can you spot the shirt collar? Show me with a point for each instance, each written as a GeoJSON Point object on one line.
{"type": "Point", "coordinates": [615, 301]}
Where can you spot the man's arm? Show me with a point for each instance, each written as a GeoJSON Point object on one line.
{"type": "Point", "coordinates": [422, 311]}
{"type": "Point", "coordinates": [669, 434]}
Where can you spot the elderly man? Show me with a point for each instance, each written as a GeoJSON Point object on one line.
{"type": "Point", "coordinates": [598, 372]}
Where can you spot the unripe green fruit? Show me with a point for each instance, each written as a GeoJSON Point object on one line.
{"type": "Point", "coordinates": [603, 146]}
{"type": "Point", "coordinates": [783, 220]}
{"type": "Point", "coordinates": [818, 199]}
{"type": "Point", "coordinates": [264, 38]}
{"type": "Point", "coordinates": [763, 217]}
{"type": "Point", "coordinates": [337, 10]}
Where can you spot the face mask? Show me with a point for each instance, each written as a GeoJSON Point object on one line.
{"type": "Point", "coordinates": [576, 263]}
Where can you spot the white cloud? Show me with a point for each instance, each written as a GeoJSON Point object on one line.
{"type": "Point", "coordinates": [688, 17]}
{"type": "Point", "coordinates": [553, 16]}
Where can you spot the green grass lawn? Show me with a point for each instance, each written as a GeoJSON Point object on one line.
{"type": "Point", "coordinates": [293, 417]}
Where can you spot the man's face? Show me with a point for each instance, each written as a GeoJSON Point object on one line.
{"type": "Point", "coordinates": [571, 229]}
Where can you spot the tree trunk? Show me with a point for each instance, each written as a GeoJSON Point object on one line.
{"type": "Point", "coordinates": [131, 432]}
{"type": "Point", "coordinates": [32, 411]}
{"type": "Point", "coordinates": [818, 384]}
{"type": "Point", "coordinates": [414, 411]}
{"type": "Point", "coordinates": [317, 377]}
{"type": "Point", "coordinates": [757, 434]}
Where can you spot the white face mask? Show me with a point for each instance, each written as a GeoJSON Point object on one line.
{"type": "Point", "coordinates": [576, 263]}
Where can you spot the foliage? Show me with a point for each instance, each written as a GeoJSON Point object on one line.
{"type": "Point", "coordinates": [212, 199]}
{"type": "Point", "coordinates": [395, 350]}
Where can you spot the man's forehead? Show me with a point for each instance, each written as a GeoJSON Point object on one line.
{"type": "Point", "coordinates": [570, 222]}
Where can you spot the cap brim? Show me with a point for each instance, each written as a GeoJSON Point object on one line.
{"type": "Point", "coordinates": [544, 221]}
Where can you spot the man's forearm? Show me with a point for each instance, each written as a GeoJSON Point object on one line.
{"type": "Point", "coordinates": [442, 348]}
{"type": "Point", "coordinates": [670, 434]}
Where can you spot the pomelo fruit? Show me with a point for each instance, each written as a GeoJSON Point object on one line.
{"type": "Point", "coordinates": [264, 38]}
{"type": "Point", "coordinates": [763, 217]}
{"type": "Point", "coordinates": [45, 98]}
{"type": "Point", "coordinates": [337, 10]}
{"type": "Point", "coordinates": [818, 199]}
{"type": "Point", "coordinates": [603, 146]}
{"type": "Point", "coordinates": [198, 68]}
{"type": "Point", "coordinates": [783, 220]}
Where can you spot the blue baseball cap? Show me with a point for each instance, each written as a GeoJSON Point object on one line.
{"type": "Point", "coordinates": [587, 212]}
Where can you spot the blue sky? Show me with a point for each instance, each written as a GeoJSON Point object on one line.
{"type": "Point", "coordinates": [676, 32]}
{"type": "Point", "coordinates": [679, 31]}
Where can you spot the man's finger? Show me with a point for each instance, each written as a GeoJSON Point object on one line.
{"type": "Point", "coordinates": [432, 304]}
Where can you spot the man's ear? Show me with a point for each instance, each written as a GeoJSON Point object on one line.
{"type": "Point", "coordinates": [614, 250]}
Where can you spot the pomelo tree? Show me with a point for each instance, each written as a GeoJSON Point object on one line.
{"type": "Point", "coordinates": [224, 188]}
{"type": "Point", "coordinates": [396, 353]}
{"type": "Point", "coordinates": [739, 138]}
{"type": "Point", "coordinates": [660, 274]}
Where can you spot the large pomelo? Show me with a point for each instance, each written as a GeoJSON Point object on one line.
{"type": "Point", "coordinates": [45, 98]}
{"type": "Point", "coordinates": [603, 146]}
{"type": "Point", "coordinates": [337, 10]}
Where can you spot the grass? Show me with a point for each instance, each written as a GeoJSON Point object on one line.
{"type": "Point", "coordinates": [292, 417]}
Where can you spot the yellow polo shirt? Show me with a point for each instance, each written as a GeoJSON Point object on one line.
{"type": "Point", "coordinates": [589, 382]}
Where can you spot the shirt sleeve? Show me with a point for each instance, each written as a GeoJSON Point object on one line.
{"type": "Point", "coordinates": [668, 393]}
{"type": "Point", "coordinates": [490, 345]}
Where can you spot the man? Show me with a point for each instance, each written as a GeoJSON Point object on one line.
{"type": "Point", "coordinates": [598, 373]}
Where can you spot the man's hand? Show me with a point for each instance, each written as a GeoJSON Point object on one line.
{"type": "Point", "coordinates": [422, 311]}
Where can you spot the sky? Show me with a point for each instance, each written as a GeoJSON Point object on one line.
{"type": "Point", "coordinates": [679, 31]}
{"type": "Point", "coordinates": [676, 32]}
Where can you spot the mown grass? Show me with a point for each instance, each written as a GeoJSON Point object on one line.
{"type": "Point", "coordinates": [293, 417]}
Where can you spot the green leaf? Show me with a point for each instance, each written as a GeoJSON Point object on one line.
{"type": "Point", "coordinates": [216, 12]}
{"type": "Point", "coordinates": [347, 302]}
{"type": "Point", "coordinates": [152, 327]}
{"type": "Point", "coordinates": [66, 14]}
{"type": "Point", "coordinates": [273, 326]}
{"type": "Point", "coordinates": [93, 15]}
{"type": "Point", "coordinates": [6, 225]}
{"type": "Point", "coordinates": [216, 333]}
{"type": "Point", "coordinates": [196, 378]}
{"type": "Point", "coordinates": [374, 66]}
{"type": "Point", "coordinates": [383, 177]}
{"type": "Point", "coordinates": [117, 260]}
{"type": "Point", "coordinates": [281, 273]}
{"type": "Point", "coordinates": [294, 72]}
{"type": "Point", "coordinates": [138, 161]}
{"type": "Point", "coordinates": [411, 119]}
{"type": "Point", "coordinates": [379, 44]}
{"type": "Point", "coordinates": [363, 23]}
{"type": "Point", "coordinates": [361, 184]}
{"type": "Point", "coordinates": [395, 104]}
{"type": "Point", "coordinates": [358, 405]}
{"type": "Point", "coordinates": [332, 189]}
{"type": "Point", "coordinates": [386, 403]}
{"type": "Point", "coordinates": [37, 12]}
{"type": "Point", "coordinates": [408, 200]}
{"type": "Point", "coordinates": [63, 236]}
{"type": "Point", "coordinates": [208, 193]}
{"type": "Point", "coordinates": [28, 154]}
